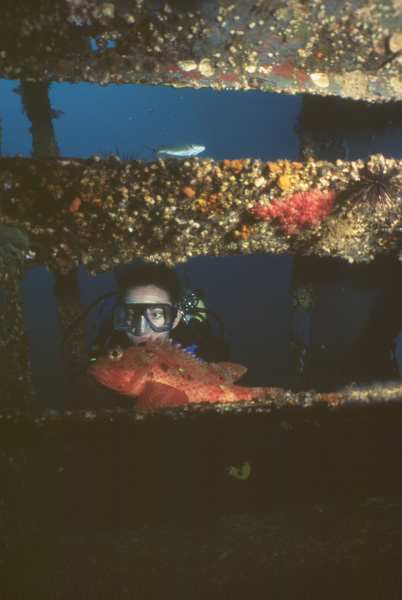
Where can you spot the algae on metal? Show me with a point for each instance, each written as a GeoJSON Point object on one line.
{"type": "Point", "coordinates": [350, 49]}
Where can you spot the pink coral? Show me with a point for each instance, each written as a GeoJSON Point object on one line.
{"type": "Point", "coordinates": [303, 209]}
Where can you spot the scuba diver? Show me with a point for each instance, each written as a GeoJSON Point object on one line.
{"type": "Point", "coordinates": [150, 304]}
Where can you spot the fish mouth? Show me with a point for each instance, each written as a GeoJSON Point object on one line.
{"type": "Point", "coordinates": [99, 375]}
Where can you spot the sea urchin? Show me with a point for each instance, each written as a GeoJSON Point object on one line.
{"type": "Point", "coordinates": [375, 189]}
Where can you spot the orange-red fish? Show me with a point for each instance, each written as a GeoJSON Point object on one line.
{"type": "Point", "coordinates": [163, 374]}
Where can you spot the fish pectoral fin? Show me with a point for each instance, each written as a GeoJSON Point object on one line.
{"type": "Point", "coordinates": [157, 395]}
{"type": "Point", "coordinates": [231, 372]}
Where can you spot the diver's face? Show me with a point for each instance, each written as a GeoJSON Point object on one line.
{"type": "Point", "coordinates": [148, 294]}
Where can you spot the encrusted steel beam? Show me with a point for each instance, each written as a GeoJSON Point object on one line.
{"type": "Point", "coordinates": [102, 212]}
{"type": "Point", "coordinates": [296, 406]}
{"type": "Point", "coordinates": [16, 388]}
{"type": "Point", "coordinates": [350, 49]}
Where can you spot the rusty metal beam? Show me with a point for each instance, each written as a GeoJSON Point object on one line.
{"type": "Point", "coordinates": [350, 49]}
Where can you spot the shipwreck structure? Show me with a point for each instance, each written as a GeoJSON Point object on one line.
{"type": "Point", "coordinates": [348, 49]}
{"type": "Point", "coordinates": [65, 212]}
{"type": "Point", "coordinates": [62, 212]}
{"type": "Point", "coordinates": [97, 212]}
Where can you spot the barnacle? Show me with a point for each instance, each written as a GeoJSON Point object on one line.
{"type": "Point", "coordinates": [274, 167]}
{"type": "Point", "coordinates": [244, 232]}
{"type": "Point", "coordinates": [209, 204]}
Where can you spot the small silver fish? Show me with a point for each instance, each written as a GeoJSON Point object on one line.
{"type": "Point", "coordinates": [177, 150]}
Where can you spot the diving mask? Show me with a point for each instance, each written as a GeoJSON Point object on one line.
{"type": "Point", "coordinates": [129, 317]}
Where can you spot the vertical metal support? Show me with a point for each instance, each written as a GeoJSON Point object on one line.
{"type": "Point", "coordinates": [35, 98]}
{"type": "Point", "coordinates": [16, 388]}
{"type": "Point", "coordinates": [303, 291]}
{"type": "Point", "coordinates": [67, 293]}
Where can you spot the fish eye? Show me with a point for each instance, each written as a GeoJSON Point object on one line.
{"type": "Point", "coordinates": [115, 353]}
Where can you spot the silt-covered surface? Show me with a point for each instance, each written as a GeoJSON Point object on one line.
{"type": "Point", "coordinates": [101, 504]}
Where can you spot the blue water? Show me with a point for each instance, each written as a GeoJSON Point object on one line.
{"type": "Point", "coordinates": [230, 124]}
{"type": "Point", "coordinates": [249, 292]}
